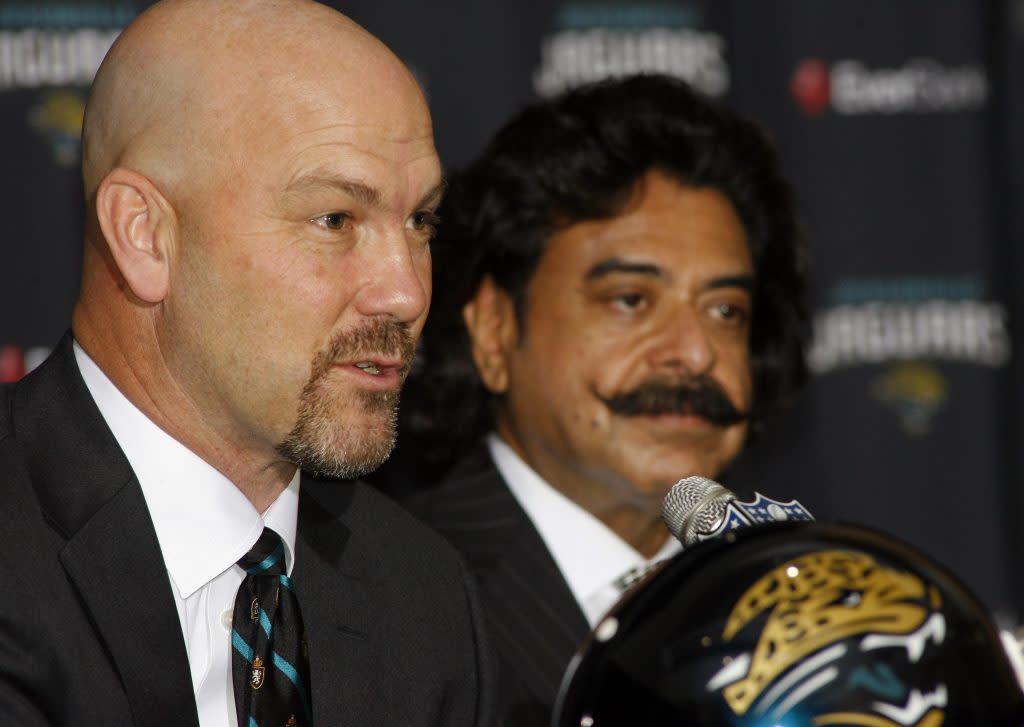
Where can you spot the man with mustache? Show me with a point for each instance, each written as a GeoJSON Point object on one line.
{"type": "Point", "coordinates": [178, 549]}
{"type": "Point", "coordinates": [618, 297]}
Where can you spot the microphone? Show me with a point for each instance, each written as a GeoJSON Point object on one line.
{"type": "Point", "coordinates": [698, 509]}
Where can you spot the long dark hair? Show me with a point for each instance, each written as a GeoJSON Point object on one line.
{"type": "Point", "coordinates": [577, 158]}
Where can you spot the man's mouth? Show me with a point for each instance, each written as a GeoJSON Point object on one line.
{"type": "Point", "coordinates": [382, 366]}
{"type": "Point", "coordinates": [381, 350]}
{"type": "Point", "coordinates": [369, 367]}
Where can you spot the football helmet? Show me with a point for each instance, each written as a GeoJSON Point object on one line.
{"type": "Point", "coordinates": [794, 625]}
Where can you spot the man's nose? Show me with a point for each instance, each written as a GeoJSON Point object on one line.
{"type": "Point", "coordinates": [683, 344]}
{"type": "Point", "coordinates": [395, 278]}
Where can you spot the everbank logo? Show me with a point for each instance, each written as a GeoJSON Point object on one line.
{"type": "Point", "coordinates": [810, 86]}
{"type": "Point", "coordinates": [921, 85]}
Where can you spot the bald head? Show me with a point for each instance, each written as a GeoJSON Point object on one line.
{"type": "Point", "coordinates": [189, 82]}
{"type": "Point", "coordinates": [261, 177]}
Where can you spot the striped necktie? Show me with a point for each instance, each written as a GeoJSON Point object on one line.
{"type": "Point", "coordinates": [269, 665]}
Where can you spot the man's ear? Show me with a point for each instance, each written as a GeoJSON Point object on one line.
{"type": "Point", "coordinates": [490, 319]}
{"type": "Point", "coordinates": [138, 224]}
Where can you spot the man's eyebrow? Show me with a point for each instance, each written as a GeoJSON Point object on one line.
{"type": "Point", "coordinates": [362, 193]}
{"type": "Point", "coordinates": [317, 180]}
{"type": "Point", "coordinates": [619, 265]}
{"type": "Point", "coordinates": [433, 197]}
{"type": "Point", "coordinates": [743, 280]}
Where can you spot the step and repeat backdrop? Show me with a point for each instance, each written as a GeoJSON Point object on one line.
{"type": "Point", "coordinates": [901, 126]}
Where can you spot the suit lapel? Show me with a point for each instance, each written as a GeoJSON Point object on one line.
{"type": "Point", "coordinates": [339, 589]}
{"type": "Point", "coordinates": [89, 493]}
{"type": "Point", "coordinates": [533, 618]}
{"type": "Point", "coordinates": [121, 577]}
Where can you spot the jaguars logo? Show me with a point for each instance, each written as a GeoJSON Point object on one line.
{"type": "Point", "coordinates": [58, 118]}
{"type": "Point", "coordinates": [916, 392]}
{"type": "Point", "coordinates": [817, 616]}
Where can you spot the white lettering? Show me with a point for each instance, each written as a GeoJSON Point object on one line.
{"type": "Point", "coordinates": [922, 84]}
{"type": "Point", "coordinates": [574, 57]}
{"type": "Point", "coordinates": [36, 58]}
{"type": "Point", "coordinates": [956, 330]}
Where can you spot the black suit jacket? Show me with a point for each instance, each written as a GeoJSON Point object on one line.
{"type": "Point", "coordinates": [533, 619]}
{"type": "Point", "coordinates": [89, 633]}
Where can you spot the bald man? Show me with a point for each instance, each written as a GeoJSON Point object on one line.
{"type": "Point", "coordinates": [261, 182]}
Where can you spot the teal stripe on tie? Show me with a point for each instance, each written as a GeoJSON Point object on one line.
{"type": "Point", "coordinates": [286, 582]}
{"type": "Point", "coordinates": [270, 560]}
{"type": "Point", "coordinates": [265, 622]}
{"type": "Point", "coordinates": [240, 646]}
{"type": "Point", "coordinates": [288, 670]}
{"type": "Point", "coordinates": [253, 722]}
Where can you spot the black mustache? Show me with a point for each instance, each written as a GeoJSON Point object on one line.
{"type": "Point", "coordinates": [700, 397]}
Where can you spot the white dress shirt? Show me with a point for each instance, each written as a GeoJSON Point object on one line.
{"type": "Point", "coordinates": [204, 525]}
{"type": "Point", "coordinates": [590, 555]}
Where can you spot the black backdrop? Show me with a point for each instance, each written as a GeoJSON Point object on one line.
{"type": "Point", "coordinates": [901, 125]}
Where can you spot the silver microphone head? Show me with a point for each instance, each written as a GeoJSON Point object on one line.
{"type": "Point", "coordinates": [694, 506]}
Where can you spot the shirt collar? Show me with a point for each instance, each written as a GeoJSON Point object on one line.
{"type": "Point", "coordinates": [589, 554]}
{"type": "Point", "coordinates": [203, 522]}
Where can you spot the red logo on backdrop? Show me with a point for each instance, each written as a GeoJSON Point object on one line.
{"type": "Point", "coordinates": [12, 363]}
{"type": "Point", "coordinates": [811, 87]}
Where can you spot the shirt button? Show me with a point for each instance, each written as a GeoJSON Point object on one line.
{"type": "Point", "coordinates": [226, 619]}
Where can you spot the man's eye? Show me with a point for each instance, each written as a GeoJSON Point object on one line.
{"type": "Point", "coordinates": [729, 312]}
{"type": "Point", "coordinates": [331, 221]}
{"type": "Point", "coordinates": [425, 220]}
{"type": "Point", "coordinates": [630, 301]}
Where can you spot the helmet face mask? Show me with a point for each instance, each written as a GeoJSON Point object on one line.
{"type": "Point", "coordinates": [796, 625]}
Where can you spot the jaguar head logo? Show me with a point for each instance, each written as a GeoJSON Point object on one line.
{"type": "Point", "coordinates": [816, 615]}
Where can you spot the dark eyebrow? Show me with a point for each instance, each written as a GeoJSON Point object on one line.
{"type": "Point", "coordinates": [744, 280]}
{"type": "Point", "coordinates": [618, 265]}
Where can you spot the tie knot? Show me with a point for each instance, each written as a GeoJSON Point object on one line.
{"type": "Point", "coordinates": [266, 557]}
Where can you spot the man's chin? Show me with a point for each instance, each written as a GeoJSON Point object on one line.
{"type": "Point", "coordinates": [345, 464]}
{"type": "Point", "coordinates": [655, 482]}
{"type": "Point", "coordinates": [332, 449]}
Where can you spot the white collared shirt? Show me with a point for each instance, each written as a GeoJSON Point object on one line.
{"type": "Point", "coordinates": [590, 555]}
{"type": "Point", "coordinates": [204, 525]}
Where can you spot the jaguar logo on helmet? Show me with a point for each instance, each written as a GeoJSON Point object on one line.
{"type": "Point", "coordinates": [816, 609]}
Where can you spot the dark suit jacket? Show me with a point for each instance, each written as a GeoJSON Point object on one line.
{"type": "Point", "coordinates": [533, 619]}
{"type": "Point", "coordinates": [89, 633]}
